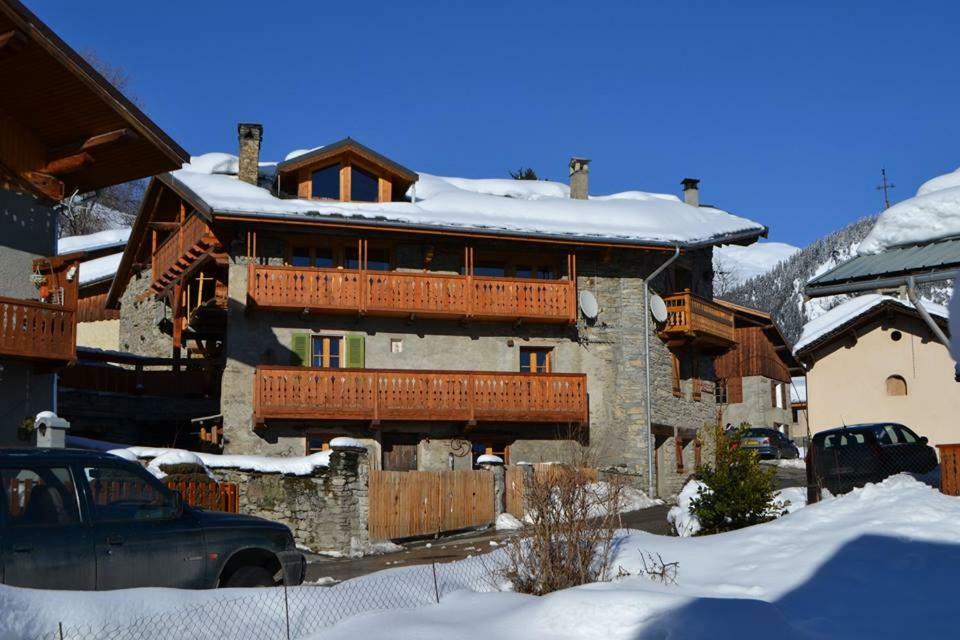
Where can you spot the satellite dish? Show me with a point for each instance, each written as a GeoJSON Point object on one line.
{"type": "Point", "coordinates": [658, 308]}
{"type": "Point", "coordinates": [588, 304]}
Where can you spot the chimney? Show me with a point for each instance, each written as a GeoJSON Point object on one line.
{"type": "Point", "coordinates": [250, 135]}
{"type": "Point", "coordinates": [691, 191]}
{"type": "Point", "coordinates": [579, 178]}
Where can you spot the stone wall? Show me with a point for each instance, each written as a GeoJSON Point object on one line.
{"type": "Point", "coordinates": [142, 319]}
{"type": "Point", "coordinates": [326, 511]}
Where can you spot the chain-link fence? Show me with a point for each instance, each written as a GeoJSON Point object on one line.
{"type": "Point", "coordinates": [284, 613]}
{"type": "Point", "coordinates": [841, 460]}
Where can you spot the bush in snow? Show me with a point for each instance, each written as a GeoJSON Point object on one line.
{"type": "Point", "coordinates": [736, 492]}
{"type": "Point", "coordinates": [569, 535]}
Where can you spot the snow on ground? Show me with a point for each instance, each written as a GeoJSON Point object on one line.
{"type": "Point", "coordinates": [507, 522]}
{"type": "Point", "coordinates": [793, 463]}
{"type": "Point", "coordinates": [93, 241]}
{"type": "Point", "coordinates": [853, 309]}
{"type": "Point", "coordinates": [932, 214]}
{"type": "Point", "coordinates": [744, 263]}
{"type": "Point", "coordinates": [879, 563]}
{"type": "Point", "coordinates": [520, 206]}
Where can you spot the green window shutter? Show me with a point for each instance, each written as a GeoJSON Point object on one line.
{"type": "Point", "coordinates": [300, 350]}
{"type": "Point", "coordinates": [355, 350]}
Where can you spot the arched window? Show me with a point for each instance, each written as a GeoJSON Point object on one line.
{"type": "Point", "coordinates": [896, 386]}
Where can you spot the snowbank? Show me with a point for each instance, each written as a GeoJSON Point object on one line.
{"type": "Point", "coordinates": [683, 522]}
{"type": "Point", "coordinates": [298, 466]}
{"type": "Point", "coordinates": [851, 310]}
{"type": "Point", "coordinates": [932, 214]}
{"type": "Point", "coordinates": [879, 563]}
{"type": "Point", "coordinates": [519, 206]}
{"type": "Point", "coordinates": [507, 522]}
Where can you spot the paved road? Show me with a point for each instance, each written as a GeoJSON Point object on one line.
{"type": "Point", "coordinates": [447, 549]}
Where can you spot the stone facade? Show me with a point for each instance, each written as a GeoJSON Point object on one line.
{"type": "Point", "coordinates": [757, 408]}
{"type": "Point", "coordinates": [610, 351]}
{"type": "Point", "coordinates": [326, 511]}
{"type": "Point", "coordinates": [143, 319]}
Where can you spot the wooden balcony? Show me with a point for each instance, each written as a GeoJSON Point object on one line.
{"type": "Point", "coordinates": [694, 320]}
{"type": "Point", "coordinates": [402, 293]}
{"type": "Point", "coordinates": [36, 330]}
{"type": "Point", "coordinates": [376, 395]}
{"type": "Point", "coordinates": [180, 251]}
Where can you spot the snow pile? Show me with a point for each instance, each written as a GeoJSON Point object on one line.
{"type": "Point", "coordinates": [932, 214]}
{"type": "Point", "coordinates": [93, 241]}
{"type": "Point", "coordinates": [518, 206]}
{"type": "Point", "coordinates": [488, 458]}
{"type": "Point", "coordinates": [171, 458]}
{"type": "Point", "coordinates": [743, 263]}
{"type": "Point", "coordinates": [507, 522]}
{"type": "Point", "coordinates": [793, 463]}
{"type": "Point", "coordinates": [852, 309]}
{"type": "Point", "coordinates": [680, 518]}
{"type": "Point", "coordinates": [297, 466]}
{"type": "Point", "coordinates": [347, 443]}
{"type": "Point", "coordinates": [100, 268]}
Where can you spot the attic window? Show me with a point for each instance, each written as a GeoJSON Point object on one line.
{"type": "Point", "coordinates": [326, 182]}
{"type": "Point", "coordinates": [364, 187]}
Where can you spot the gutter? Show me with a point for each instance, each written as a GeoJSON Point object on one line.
{"type": "Point", "coordinates": [646, 366]}
{"type": "Point", "coordinates": [813, 290]}
{"type": "Point", "coordinates": [915, 299]}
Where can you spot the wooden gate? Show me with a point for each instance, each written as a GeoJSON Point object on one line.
{"type": "Point", "coordinates": [404, 504]}
{"type": "Point", "coordinates": [516, 479]}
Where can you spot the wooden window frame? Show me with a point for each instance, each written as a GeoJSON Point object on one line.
{"type": "Point", "coordinates": [531, 353]}
{"type": "Point", "coordinates": [346, 162]}
{"type": "Point", "coordinates": [339, 247]}
{"type": "Point", "coordinates": [326, 351]}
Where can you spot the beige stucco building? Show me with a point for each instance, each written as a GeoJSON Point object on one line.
{"type": "Point", "coordinates": [874, 359]}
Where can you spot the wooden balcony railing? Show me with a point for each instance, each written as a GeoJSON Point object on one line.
{"type": "Point", "coordinates": [693, 318]}
{"type": "Point", "coordinates": [32, 329]}
{"type": "Point", "coordinates": [180, 250]}
{"type": "Point", "coordinates": [127, 374]}
{"type": "Point", "coordinates": [377, 395]}
{"type": "Point", "coordinates": [428, 295]}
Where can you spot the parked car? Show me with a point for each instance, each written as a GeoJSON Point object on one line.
{"type": "Point", "coordinates": [768, 443]}
{"type": "Point", "coordinates": [72, 519]}
{"type": "Point", "coordinates": [847, 457]}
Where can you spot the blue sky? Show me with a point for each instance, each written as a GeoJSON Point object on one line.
{"type": "Point", "coordinates": [786, 112]}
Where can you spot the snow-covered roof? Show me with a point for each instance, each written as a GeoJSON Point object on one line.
{"type": "Point", "coordinates": [99, 269]}
{"type": "Point", "coordinates": [743, 263]}
{"type": "Point", "coordinates": [94, 241]}
{"type": "Point", "coordinates": [540, 208]}
{"type": "Point", "coordinates": [847, 312]}
{"type": "Point", "coordinates": [932, 214]}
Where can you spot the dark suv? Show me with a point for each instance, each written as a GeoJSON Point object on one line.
{"type": "Point", "coordinates": [72, 519]}
{"type": "Point", "coordinates": [848, 457]}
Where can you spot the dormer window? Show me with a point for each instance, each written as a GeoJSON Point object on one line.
{"type": "Point", "coordinates": [326, 182]}
{"type": "Point", "coordinates": [345, 171]}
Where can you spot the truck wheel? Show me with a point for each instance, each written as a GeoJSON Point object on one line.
{"type": "Point", "coordinates": [249, 576]}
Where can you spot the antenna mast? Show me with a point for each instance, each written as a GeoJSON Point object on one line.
{"type": "Point", "coordinates": [885, 187]}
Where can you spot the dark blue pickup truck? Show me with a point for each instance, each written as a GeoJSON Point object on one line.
{"type": "Point", "coordinates": [73, 519]}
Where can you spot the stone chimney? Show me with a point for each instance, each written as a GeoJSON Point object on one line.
{"type": "Point", "coordinates": [250, 135]}
{"type": "Point", "coordinates": [579, 178]}
{"type": "Point", "coordinates": [691, 191]}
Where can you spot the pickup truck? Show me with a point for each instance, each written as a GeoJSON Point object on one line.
{"type": "Point", "coordinates": [83, 520]}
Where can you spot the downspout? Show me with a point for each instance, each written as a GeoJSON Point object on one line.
{"type": "Point", "coordinates": [915, 300]}
{"type": "Point", "coordinates": [646, 365]}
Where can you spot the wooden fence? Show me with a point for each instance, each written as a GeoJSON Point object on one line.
{"type": "Point", "coordinates": [404, 504]}
{"type": "Point", "coordinates": [516, 481]}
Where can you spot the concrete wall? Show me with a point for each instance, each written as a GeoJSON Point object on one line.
{"type": "Point", "coordinates": [756, 408]}
{"type": "Point", "coordinates": [102, 334]}
{"type": "Point", "coordinates": [610, 351]}
{"type": "Point", "coordinates": [847, 383]}
{"type": "Point", "coordinates": [29, 230]}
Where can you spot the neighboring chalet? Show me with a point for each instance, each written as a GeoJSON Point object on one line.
{"type": "Point", "coordinates": [873, 359]}
{"type": "Point", "coordinates": [754, 377]}
{"type": "Point", "coordinates": [63, 130]}
{"type": "Point", "coordinates": [432, 317]}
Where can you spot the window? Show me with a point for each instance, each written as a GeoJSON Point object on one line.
{"type": "Point", "coordinates": [896, 336]}
{"type": "Point", "coordinates": [378, 259]}
{"type": "Point", "coordinates": [316, 444]}
{"type": "Point", "coordinates": [326, 182]}
{"type": "Point", "coordinates": [720, 392]}
{"type": "Point", "coordinates": [364, 187]}
{"type": "Point", "coordinates": [40, 497]}
{"type": "Point", "coordinates": [312, 257]}
{"type": "Point", "coordinates": [325, 351]}
{"type": "Point", "coordinates": [123, 495]}
{"type": "Point", "coordinates": [896, 386]}
{"type": "Point", "coordinates": [542, 272]}
{"type": "Point", "coordinates": [535, 359]}
{"type": "Point", "coordinates": [490, 269]}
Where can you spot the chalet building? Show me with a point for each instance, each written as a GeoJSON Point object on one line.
{"type": "Point", "coordinates": [432, 317]}
{"type": "Point", "coordinates": [874, 358]}
{"type": "Point", "coordinates": [754, 377]}
{"type": "Point", "coordinates": [63, 130]}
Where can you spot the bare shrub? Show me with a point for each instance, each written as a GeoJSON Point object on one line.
{"type": "Point", "coordinates": [658, 570]}
{"type": "Point", "coordinates": [570, 535]}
